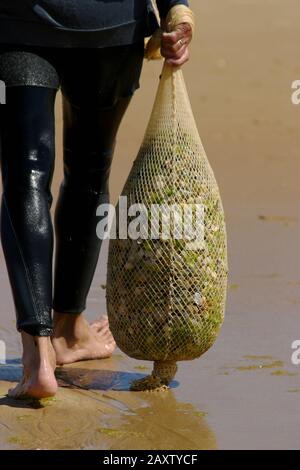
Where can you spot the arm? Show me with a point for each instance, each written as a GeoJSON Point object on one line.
{"type": "Point", "coordinates": [165, 5]}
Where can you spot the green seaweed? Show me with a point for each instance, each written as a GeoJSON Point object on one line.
{"type": "Point", "coordinates": [270, 365]}
{"type": "Point", "coordinates": [47, 401]}
{"type": "Point", "coordinates": [118, 433]}
{"type": "Point", "coordinates": [21, 441]}
{"type": "Point", "coordinates": [24, 417]}
{"type": "Point", "coordinates": [141, 367]}
{"type": "Point", "coordinates": [281, 373]}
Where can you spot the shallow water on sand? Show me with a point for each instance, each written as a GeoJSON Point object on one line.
{"type": "Point", "coordinates": [244, 393]}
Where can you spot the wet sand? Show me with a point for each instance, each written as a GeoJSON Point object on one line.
{"type": "Point", "coordinates": [244, 393]}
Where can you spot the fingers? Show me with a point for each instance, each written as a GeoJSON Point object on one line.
{"type": "Point", "coordinates": [182, 30]}
{"type": "Point", "coordinates": [182, 60]}
{"type": "Point", "coordinates": [173, 49]}
{"type": "Point", "coordinates": [172, 42]}
{"type": "Point", "coordinates": [179, 58]}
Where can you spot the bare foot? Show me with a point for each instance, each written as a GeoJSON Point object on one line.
{"type": "Point", "coordinates": [75, 340]}
{"type": "Point", "coordinates": [38, 369]}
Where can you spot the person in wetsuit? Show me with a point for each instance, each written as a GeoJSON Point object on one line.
{"type": "Point", "coordinates": [93, 52]}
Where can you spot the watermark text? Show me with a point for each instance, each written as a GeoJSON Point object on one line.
{"type": "Point", "coordinates": [295, 358]}
{"type": "Point", "coordinates": [2, 92]}
{"type": "Point", "coordinates": [159, 221]}
{"type": "Point", "coordinates": [2, 352]}
{"type": "Point", "coordinates": [296, 93]}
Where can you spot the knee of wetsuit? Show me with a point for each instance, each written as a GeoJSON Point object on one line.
{"type": "Point", "coordinates": [27, 121]}
{"type": "Point", "coordinates": [34, 172]}
{"type": "Point", "coordinates": [28, 144]}
{"type": "Point", "coordinates": [19, 67]}
{"type": "Point", "coordinates": [93, 174]}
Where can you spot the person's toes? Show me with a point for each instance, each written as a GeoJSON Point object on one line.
{"type": "Point", "coordinates": [99, 324]}
{"type": "Point", "coordinates": [109, 347]}
{"type": "Point", "coordinates": [17, 392]}
{"type": "Point", "coordinates": [105, 331]}
{"type": "Point", "coordinates": [100, 329]}
{"type": "Point", "coordinates": [12, 393]}
{"type": "Point", "coordinates": [111, 340]}
{"type": "Point", "coordinates": [96, 326]}
{"type": "Point", "coordinates": [104, 336]}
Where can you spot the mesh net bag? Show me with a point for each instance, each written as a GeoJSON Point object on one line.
{"type": "Point", "coordinates": [166, 295]}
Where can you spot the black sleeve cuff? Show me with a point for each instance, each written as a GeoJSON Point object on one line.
{"type": "Point", "coordinates": [165, 5]}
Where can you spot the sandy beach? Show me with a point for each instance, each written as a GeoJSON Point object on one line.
{"type": "Point", "coordinates": [244, 393]}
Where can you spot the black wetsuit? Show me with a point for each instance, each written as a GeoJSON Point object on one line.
{"type": "Point", "coordinates": [79, 23]}
{"type": "Point", "coordinates": [97, 78]}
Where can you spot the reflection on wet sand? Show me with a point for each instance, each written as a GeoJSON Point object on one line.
{"type": "Point", "coordinates": [94, 410]}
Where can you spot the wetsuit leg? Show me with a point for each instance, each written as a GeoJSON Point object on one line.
{"type": "Point", "coordinates": [27, 158]}
{"type": "Point", "coordinates": [94, 105]}
{"type": "Point", "coordinates": [27, 161]}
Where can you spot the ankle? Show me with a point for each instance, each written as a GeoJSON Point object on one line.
{"type": "Point", "coordinates": [36, 349]}
{"type": "Point", "coordinates": [70, 326]}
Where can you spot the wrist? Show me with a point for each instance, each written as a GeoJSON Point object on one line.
{"type": "Point", "coordinates": [179, 14]}
{"type": "Point", "coordinates": [163, 23]}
